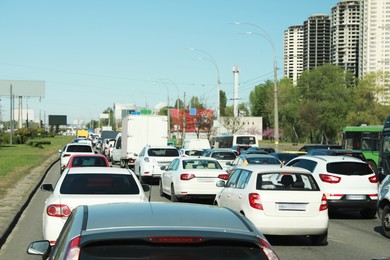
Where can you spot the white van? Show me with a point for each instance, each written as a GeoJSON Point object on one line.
{"type": "Point", "coordinates": [196, 144]}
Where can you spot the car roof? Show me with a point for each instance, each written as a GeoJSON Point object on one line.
{"type": "Point", "coordinates": [88, 155]}
{"type": "Point", "coordinates": [161, 146]}
{"type": "Point", "coordinates": [257, 155]}
{"type": "Point", "coordinates": [197, 158]}
{"type": "Point", "coordinates": [158, 216]}
{"type": "Point", "coordinates": [330, 158]}
{"type": "Point", "coordinates": [220, 150]}
{"type": "Point", "coordinates": [94, 170]}
{"type": "Point", "coordinates": [78, 144]}
{"type": "Point", "coordinates": [273, 168]}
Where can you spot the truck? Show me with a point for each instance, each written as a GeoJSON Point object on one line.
{"type": "Point", "coordinates": [82, 133]}
{"type": "Point", "coordinates": [139, 131]}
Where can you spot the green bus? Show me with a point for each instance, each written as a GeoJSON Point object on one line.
{"type": "Point", "coordinates": [364, 138]}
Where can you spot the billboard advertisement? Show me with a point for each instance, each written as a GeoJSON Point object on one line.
{"type": "Point", "coordinates": [196, 120]}
{"type": "Point", "coordinates": [57, 120]}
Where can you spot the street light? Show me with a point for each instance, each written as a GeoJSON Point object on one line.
{"type": "Point", "coordinates": [265, 35]}
{"type": "Point", "coordinates": [212, 60]}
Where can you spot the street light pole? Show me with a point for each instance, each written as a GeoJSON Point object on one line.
{"type": "Point", "coordinates": [265, 35]}
{"type": "Point", "coordinates": [212, 60]}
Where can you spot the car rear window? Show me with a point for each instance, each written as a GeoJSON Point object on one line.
{"type": "Point", "coordinates": [79, 149]}
{"type": "Point", "coordinates": [162, 152]}
{"type": "Point", "coordinates": [286, 181]}
{"type": "Point", "coordinates": [201, 164]}
{"type": "Point", "coordinates": [262, 160]}
{"type": "Point", "coordinates": [84, 161]}
{"type": "Point", "coordinates": [99, 184]}
{"type": "Point", "coordinates": [349, 168]}
{"type": "Point", "coordinates": [224, 155]}
{"type": "Point", "coordinates": [143, 250]}
{"type": "Point", "coordinates": [193, 152]}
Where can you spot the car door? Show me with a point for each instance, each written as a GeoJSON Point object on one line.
{"type": "Point", "coordinates": [167, 175]}
{"type": "Point", "coordinates": [237, 194]}
{"type": "Point", "coordinates": [224, 198]}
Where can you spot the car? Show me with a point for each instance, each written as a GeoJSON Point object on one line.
{"type": "Point", "coordinates": [307, 148]}
{"type": "Point", "coordinates": [286, 156]}
{"type": "Point", "coordinates": [353, 153]}
{"type": "Point", "coordinates": [191, 177]}
{"type": "Point", "coordinates": [88, 160]}
{"type": "Point", "coordinates": [258, 159]}
{"type": "Point", "coordinates": [72, 149]}
{"type": "Point", "coordinates": [190, 152]}
{"type": "Point", "coordinates": [148, 165]}
{"type": "Point", "coordinates": [384, 205]}
{"type": "Point", "coordinates": [109, 149]}
{"type": "Point", "coordinates": [223, 156]}
{"type": "Point", "coordinates": [156, 230]}
{"type": "Point", "coordinates": [262, 148]}
{"type": "Point", "coordinates": [240, 148]}
{"type": "Point", "coordinates": [349, 183]}
{"type": "Point", "coordinates": [278, 200]}
{"type": "Point", "coordinates": [87, 186]}
{"type": "Point", "coordinates": [82, 140]}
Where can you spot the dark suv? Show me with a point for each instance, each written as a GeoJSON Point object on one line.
{"type": "Point", "coordinates": [307, 148]}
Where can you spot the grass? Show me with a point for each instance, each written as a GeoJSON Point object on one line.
{"type": "Point", "coordinates": [16, 161]}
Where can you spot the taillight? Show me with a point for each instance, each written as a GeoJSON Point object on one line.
{"type": "Point", "coordinates": [373, 179]}
{"type": "Point", "coordinates": [73, 249]}
{"type": "Point", "coordinates": [180, 240]}
{"type": "Point", "coordinates": [58, 210]}
{"type": "Point", "coordinates": [223, 176]}
{"type": "Point", "coordinates": [330, 178]}
{"type": "Point", "coordinates": [187, 176]}
{"type": "Point", "coordinates": [324, 203]}
{"type": "Point", "coordinates": [267, 249]}
{"type": "Point", "coordinates": [254, 201]}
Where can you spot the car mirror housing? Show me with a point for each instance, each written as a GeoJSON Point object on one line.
{"type": "Point", "coordinates": [146, 187]}
{"type": "Point", "coordinates": [41, 247]}
{"type": "Point", "coordinates": [220, 183]}
{"type": "Point", "coordinates": [47, 187]}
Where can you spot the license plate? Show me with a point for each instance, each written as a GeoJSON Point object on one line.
{"type": "Point", "coordinates": [290, 206]}
{"type": "Point", "coordinates": [355, 197]}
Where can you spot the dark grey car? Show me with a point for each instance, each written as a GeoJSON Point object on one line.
{"type": "Point", "coordinates": [156, 231]}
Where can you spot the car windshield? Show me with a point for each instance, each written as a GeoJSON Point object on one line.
{"type": "Point", "coordinates": [349, 168]}
{"type": "Point", "coordinates": [193, 152]}
{"type": "Point", "coordinates": [262, 160]}
{"type": "Point", "coordinates": [201, 164]}
{"type": "Point", "coordinates": [88, 161]}
{"type": "Point", "coordinates": [99, 184]}
{"type": "Point", "coordinates": [79, 149]}
{"type": "Point", "coordinates": [224, 155]}
{"type": "Point", "coordinates": [286, 181]}
{"type": "Point", "coordinates": [163, 152]}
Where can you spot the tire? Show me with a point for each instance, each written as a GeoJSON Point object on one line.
{"type": "Point", "coordinates": [368, 213]}
{"type": "Point", "coordinates": [162, 194]}
{"type": "Point", "coordinates": [385, 221]}
{"type": "Point", "coordinates": [173, 196]}
{"type": "Point", "coordinates": [319, 240]}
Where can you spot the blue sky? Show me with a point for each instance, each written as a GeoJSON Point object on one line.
{"type": "Point", "coordinates": [93, 53]}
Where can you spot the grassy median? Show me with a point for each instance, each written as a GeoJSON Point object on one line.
{"type": "Point", "coordinates": [17, 160]}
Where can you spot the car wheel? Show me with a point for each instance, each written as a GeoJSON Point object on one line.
{"type": "Point", "coordinates": [386, 221]}
{"type": "Point", "coordinates": [173, 196]}
{"type": "Point", "coordinates": [161, 189]}
{"type": "Point", "coordinates": [368, 213]}
{"type": "Point", "coordinates": [319, 240]}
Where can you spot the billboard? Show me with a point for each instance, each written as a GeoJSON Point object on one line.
{"type": "Point", "coordinates": [25, 88]}
{"type": "Point", "coordinates": [57, 120]}
{"type": "Point", "coordinates": [197, 120]}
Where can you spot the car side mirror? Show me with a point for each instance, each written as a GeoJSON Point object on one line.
{"type": "Point", "coordinates": [146, 187]}
{"type": "Point", "coordinates": [47, 187]}
{"type": "Point", "coordinates": [220, 183]}
{"type": "Point", "coordinates": [163, 168]}
{"type": "Point", "coordinates": [41, 247]}
{"type": "Point", "coordinates": [228, 163]}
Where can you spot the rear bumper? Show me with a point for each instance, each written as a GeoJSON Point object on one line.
{"type": "Point", "coordinates": [343, 204]}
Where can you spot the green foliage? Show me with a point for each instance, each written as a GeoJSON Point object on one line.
{"type": "Point", "coordinates": [222, 102]}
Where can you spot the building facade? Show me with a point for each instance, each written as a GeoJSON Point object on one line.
{"type": "Point", "coordinates": [293, 52]}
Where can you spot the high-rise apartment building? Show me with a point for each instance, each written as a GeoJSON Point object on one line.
{"type": "Point", "coordinates": [293, 52]}
{"type": "Point", "coordinates": [316, 41]}
{"type": "Point", "coordinates": [345, 35]}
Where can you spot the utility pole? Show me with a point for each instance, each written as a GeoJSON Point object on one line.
{"type": "Point", "coordinates": [184, 118]}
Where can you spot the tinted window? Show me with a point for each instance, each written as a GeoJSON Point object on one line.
{"type": "Point", "coordinates": [201, 164]}
{"type": "Point", "coordinates": [224, 155]}
{"type": "Point", "coordinates": [163, 152]}
{"type": "Point", "coordinates": [84, 161]}
{"type": "Point", "coordinates": [243, 180]}
{"type": "Point", "coordinates": [246, 140]}
{"type": "Point", "coordinates": [233, 179]}
{"type": "Point", "coordinates": [79, 149]}
{"type": "Point", "coordinates": [262, 160]}
{"type": "Point", "coordinates": [306, 164]}
{"type": "Point", "coordinates": [349, 168]}
{"type": "Point", "coordinates": [99, 184]}
{"type": "Point", "coordinates": [286, 181]}
{"type": "Point", "coordinates": [193, 152]}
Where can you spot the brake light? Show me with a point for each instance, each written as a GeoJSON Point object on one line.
{"type": "Point", "coordinates": [223, 176]}
{"type": "Point", "coordinates": [187, 176]}
{"type": "Point", "coordinates": [267, 249]}
{"type": "Point", "coordinates": [180, 240]}
{"type": "Point", "coordinates": [255, 201]}
{"type": "Point", "coordinates": [373, 179]}
{"type": "Point", "coordinates": [73, 249]}
{"type": "Point", "coordinates": [324, 203]}
{"type": "Point", "coordinates": [58, 210]}
{"type": "Point", "coordinates": [330, 178]}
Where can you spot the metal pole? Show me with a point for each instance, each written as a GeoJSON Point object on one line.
{"type": "Point", "coordinates": [11, 115]}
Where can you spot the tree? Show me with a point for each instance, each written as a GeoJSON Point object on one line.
{"type": "Point", "coordinates": [196, 102]}
{"type": "Point", "coordinates": [260, 100]}
{"type": "Point", "coordinates": [222, 103]}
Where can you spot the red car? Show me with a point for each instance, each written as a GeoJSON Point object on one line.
{"type": "Point", "coordinates": [88, 160]}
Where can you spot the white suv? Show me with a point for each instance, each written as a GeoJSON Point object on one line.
{"type": "Point", "coordinates": [384, 205]}
{"type": "Point", "coordinates": [348, 183]}
{"type": "Point", "coordinates": [151, 159]}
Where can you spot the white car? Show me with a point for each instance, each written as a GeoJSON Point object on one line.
{"type": "Point", "coordinates": [87, 186]}
{"type": "Point", "coordinates": [224, 156]}
{"type": "Point", "coordinates": [71, 149]}
{"type": "Point", "coordinates": [149, 162]}
{"type": "Point", "coordinates": [191, 177]}
{"type": "Point", "coordinates": [349, 183]}
{"type": "Point", "coordinates": [279, 200]}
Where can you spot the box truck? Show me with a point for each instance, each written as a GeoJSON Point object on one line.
{"type": "Point", "coordinates": [139, 131]}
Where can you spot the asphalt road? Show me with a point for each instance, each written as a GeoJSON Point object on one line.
{"type": "Point", "coordinates": [350, 236]}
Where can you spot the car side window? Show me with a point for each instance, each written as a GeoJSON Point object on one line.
{"type": "Point", "coordinates": [243, 179]}
{"type": "Point", "coordinates": [233, 179]}
{"type": "Point", "coordinates": [175, 165]}
{"type": "Point", "coordinates": [142, 152]}
{"type": "Point", "coordinates": [235, 162]}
